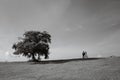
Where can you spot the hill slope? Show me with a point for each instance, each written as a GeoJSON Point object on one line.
{"type": "Point", "coordinates": [101, 69]}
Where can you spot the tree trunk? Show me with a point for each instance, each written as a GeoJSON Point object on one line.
{"type": "Point", "coordinates": [33, 57]}
{"type": "Point", "coordinates": [39, 59]}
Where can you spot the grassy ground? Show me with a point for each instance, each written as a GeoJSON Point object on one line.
{"type": "Point", "coordinates": [97, 69]}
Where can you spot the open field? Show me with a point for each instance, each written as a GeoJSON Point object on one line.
{"type": "Point", "coordinates": [93, 69]}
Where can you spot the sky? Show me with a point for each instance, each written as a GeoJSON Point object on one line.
{"type": "Point", "coordinates": [75, 25]}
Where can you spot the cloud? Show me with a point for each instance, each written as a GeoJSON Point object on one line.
{"type": "Point", "coordinates": [69, 28]}
{"type": "Point", "coordinates": [79, 27]}
{"type": "Point", "coordinates": [7, 53]}
{"type": "Point", "coordinates": [99, 55]}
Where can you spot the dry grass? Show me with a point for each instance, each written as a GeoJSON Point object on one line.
{"type": "Point", "coordinates": [101, 69]}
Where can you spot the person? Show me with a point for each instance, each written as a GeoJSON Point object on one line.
{"type": "Point", "coordinates": [83, 54]}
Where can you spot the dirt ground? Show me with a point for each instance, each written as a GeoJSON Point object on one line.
{"type": "Point", "coordinates": [101, 69]}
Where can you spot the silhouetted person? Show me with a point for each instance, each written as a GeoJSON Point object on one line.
{"type": "Point", "coordinates": [83, 54]}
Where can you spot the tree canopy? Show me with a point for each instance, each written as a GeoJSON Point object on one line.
{"type": "Point", "coordinates": [33, 44]}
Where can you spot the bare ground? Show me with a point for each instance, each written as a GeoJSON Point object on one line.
{"type": "Point", "coordinates": [98, 69]}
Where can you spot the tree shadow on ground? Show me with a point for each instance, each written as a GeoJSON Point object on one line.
{"type": "Point", "coordinates": [63, 61]}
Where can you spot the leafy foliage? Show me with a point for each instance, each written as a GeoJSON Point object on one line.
{"type": "Point", "coordinates": [33, 44]}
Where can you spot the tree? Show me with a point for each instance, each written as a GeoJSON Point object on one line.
{"type": "Point", "coordinates": [33, 45]}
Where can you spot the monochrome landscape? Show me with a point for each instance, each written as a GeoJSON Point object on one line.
{"type": "Point", "coordinates": [59, 39]}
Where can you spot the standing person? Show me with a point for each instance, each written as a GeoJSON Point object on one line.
{"type": "Point", "coordinates": [83, 54]}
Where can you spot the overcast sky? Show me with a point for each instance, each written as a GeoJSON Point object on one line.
{"type": "Point", "coordinates": [75, 25]}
